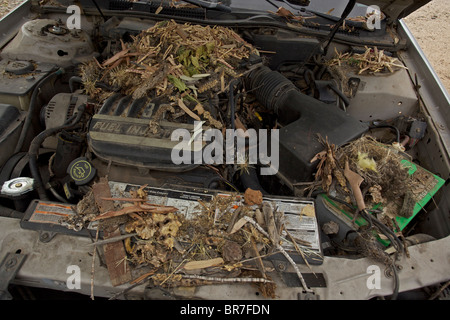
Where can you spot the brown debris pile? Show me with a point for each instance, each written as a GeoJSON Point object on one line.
{"type": "Point", "coordinates": [380, 167]}
{"type": "Point", "coordinates": [223, 243]}
{"type": "Point", "coordinates": [374, 172]}
{"type": "Point", "coordinates": [182, 62]}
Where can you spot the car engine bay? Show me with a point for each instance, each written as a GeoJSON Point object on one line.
{"type": "Point", "coordinates": [87, 119]}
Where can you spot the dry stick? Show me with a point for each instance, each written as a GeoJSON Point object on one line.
{"type": "Point", "coordinates": [299, 274]}
{"type": "Point", "coordinates": [217, 279]}
{"type": "Point", "coordinates": [111, 240]}
{"type": "Point", "coordinates": [299, 251]}
{"type": "Point", "coordinates": [263, 256]}
{"type": "Point", "coordinates": [437, 293]}
{"type": "Point", "coordinates": [93, 264]}
{"type": "Point", "coordinates": [173, 272]}
{"type": "Point", "coordinates": [281, 249]}
{"type": "Point", "coordinates": [259, 262]}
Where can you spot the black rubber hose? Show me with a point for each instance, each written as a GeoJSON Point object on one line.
{"type": "Point", "coordinates": [33, 152]}
{"type": "Point", "coordinates": [72, 81]}
{"type": "Point", "coordinates": [250, 180]}
{"type": "Point", "coordinates": [10, 213]}
{"type": "Point", "coordinates": [32, 107]}
{"type": "Point", "coordinates": [396, 282]}
{"type": "Point", "coordinates": [394, 128]}
{"type": "Point", "coordinates": [340, 94]}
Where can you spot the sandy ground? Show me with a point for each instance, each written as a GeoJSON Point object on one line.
{"type": "Point", "coordinates": [430, 25]}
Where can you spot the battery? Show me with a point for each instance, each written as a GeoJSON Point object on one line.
{"type": "Point", "coordinates": [299, 214]}
{"type": "Point", "coordinates": [328, 209]}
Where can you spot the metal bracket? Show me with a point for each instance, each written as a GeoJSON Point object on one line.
{"type": "Point", "coordinates": [8, 270]}
{"type": "Point", "coordinates": [307, 296]}
{"type": "Point", "coordinates": [279, 265]}
{"type": "Point", "coordinates": [46, 236]}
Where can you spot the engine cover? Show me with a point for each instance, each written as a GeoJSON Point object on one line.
{"type": "Point", "coordinates": [133, 133]}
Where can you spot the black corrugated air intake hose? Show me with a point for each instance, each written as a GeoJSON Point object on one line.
{"type": "Point", "coordinates": [303, 119]}
{"type": "Point", "coordinates": [33, 152]}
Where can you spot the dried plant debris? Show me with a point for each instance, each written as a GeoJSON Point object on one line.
{"type": "Point", "coordinates": [85, 211]}
{"type": "Point", "coordinates": [381, 168]}
{"type": "Point", "coordinates": [369, 246]}
{"type": "Point", "coordinates": [385, 179]}
{"type": "Point", "coordinates": [372, 61]}
{"type": "Point", "coordinates": [224, 242]}
{"type": "Point", "coordinates": [175, 61]}
{"type": "Point", "coordinates": [327, 169]}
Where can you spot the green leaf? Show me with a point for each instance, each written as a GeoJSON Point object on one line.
{"type": "Point", "coordinates": [179, 84]}
{"type": "Point", "coordinates": [210, 46]}
{"type": "Point", "coordinates": [200, 51]}
{"type": "Point", "coordinates": [195, 62]}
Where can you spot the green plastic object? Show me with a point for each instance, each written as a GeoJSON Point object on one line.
{"type": "Point", "coordinates": [401, 221]}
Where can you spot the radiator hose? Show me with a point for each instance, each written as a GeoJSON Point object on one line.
{"type": "Point", "coordinates": [33, 152]}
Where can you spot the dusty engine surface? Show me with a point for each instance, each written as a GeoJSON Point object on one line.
{"type": "Point", "coordinates": [137, 90]}
{"type": "Point", "coordinates": [135, 133]}
{"type": "Point", "coordinates": [50, 41]}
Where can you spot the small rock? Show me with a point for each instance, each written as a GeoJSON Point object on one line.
{"type": "Point", "coordinates": [252, 197]}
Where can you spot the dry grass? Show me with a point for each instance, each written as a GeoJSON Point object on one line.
{"type": "Point", "coordinates": [183, 63]}
{"type": "Point", "coordinates": [371, 61]}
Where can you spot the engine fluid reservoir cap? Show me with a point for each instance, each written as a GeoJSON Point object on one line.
{"type": "Point", "coordinates": [19, 67]}
{"type": "Point", "coordinates": [17, 187]}
{"type": "Point", "coordinates": [81, 171]}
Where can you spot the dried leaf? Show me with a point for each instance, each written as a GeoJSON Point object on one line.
{"type": "Point", "coordinates": [283, 12]}
{"type": "Point", "coordinates": [238, 225]}
{"type": "Point", "coordinates": [355, 181]}
{"type": "Point", "coordinates": [309, 211]}
{"type": "Point", "coordinates": [193, 265]}
{"type": "Point", "coordinates": [187, 110]}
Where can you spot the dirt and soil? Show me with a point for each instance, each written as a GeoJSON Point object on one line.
{"type": "Point", "coordinates": [430, 25]}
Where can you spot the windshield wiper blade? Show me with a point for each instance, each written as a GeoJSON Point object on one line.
{"type": "Point", "coordinates": [209, 5]}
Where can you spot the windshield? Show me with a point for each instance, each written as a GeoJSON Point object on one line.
{"type": "Point", "coordinates": [333, 8]}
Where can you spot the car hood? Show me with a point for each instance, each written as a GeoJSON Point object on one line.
{"type": "Point", "coordinates": [396, 9]}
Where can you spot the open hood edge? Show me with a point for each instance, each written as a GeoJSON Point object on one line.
{"type": "Point", "coordinates": [396, 9]}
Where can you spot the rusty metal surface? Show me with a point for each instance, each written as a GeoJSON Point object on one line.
{"type": "Point", "coordinates": [115, 254]}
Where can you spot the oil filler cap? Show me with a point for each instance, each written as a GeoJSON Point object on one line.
{"type": "Point", "coordinates": [81, 171]}
{"type": "Point", "coordinates": [20, 67]}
